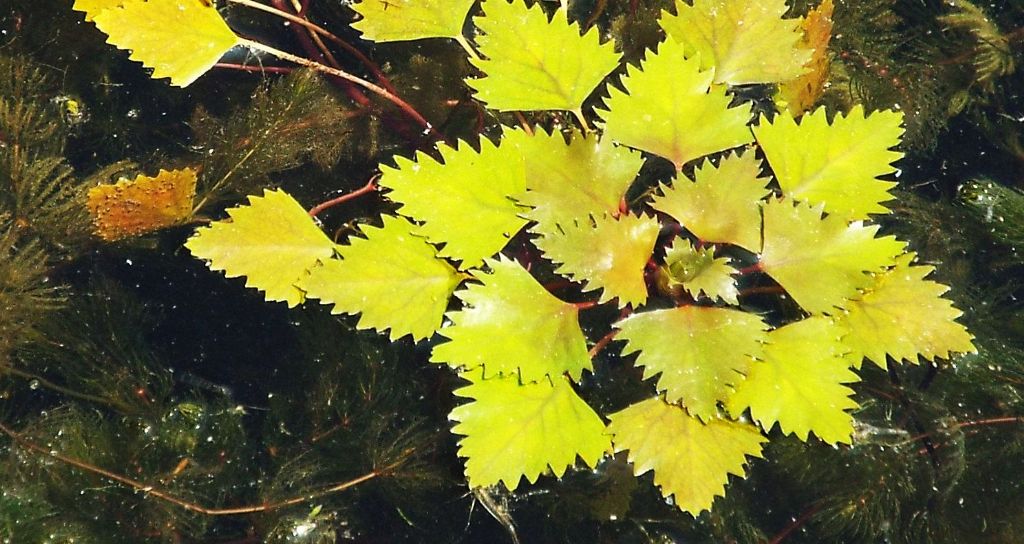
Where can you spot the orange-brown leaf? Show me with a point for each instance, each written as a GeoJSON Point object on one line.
{"type": "Point", "coordinates": [801, 93]}
{"type": "Point", "coordinates": [144, 204]}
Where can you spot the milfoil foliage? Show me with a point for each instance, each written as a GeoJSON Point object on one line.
{"type": "Point", "coordinates": [675, 259]}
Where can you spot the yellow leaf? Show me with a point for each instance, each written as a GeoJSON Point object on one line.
{"type": "Point", "coordinates": [515, 430]}
{"type": "Point", "coordinates": [799, 95]}
{"type": "Point", "coordinates": [671, 109]}
{"type": "Point", "coordinates": [836, 164]}
{"type": "Point", "coordinates": [708, 356]}
{"type": "Point", "coordinates": [178, 39]}
{"type": "Point", "coordinates": [403, 20]}
{"type": "Point", "coordinates": [144, 204]}
{"type": "Point", "coordinates": [511, 325]}
{"type": "Point", "coordinates": [92, 8]}
{"type": "Point", "coordinates": [609, 254]}
{"type": "Point", "coordinates": [799, 385]}
{"type": "Point", "coordinates": [691, 460]}
{"type": "Point", "coordinates": [904, 316]}
{"type": "Point", "coordinates": [272, 242]}
{"type": "Point", "coordinates": [465, 201]}
{"type": "Point", "coordinates": [535, 64]}
{"type": "Point", "coordinates": [722, 204]}
{"type": "Point", "coordinates": [821, 261]}
{"type": "Point", "coordinates": [574, 180]}
{"type": "Point", "coordinates": [698, 272]}
{"type": "Point", "coordinates": [746, 41]}
{"type": "Point", "coordinates": [392, 277]}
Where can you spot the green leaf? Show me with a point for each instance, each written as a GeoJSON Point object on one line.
{"type": "Point", "coordinates": [392, 277]}
{"type": "Point", "coordinates": [569, 181]}
{"type": "Point", "coordinates": [178, 39]}
{"type": "Point", "coordinates": [904, 316]}
{"type": "Point", "coordinates": [402, 20]}
{"type": "Point", "coordinates": [708, 355]}
{"type": "Point", "coordinates": [272, 242]}
{"type": "Point", "coordinates": [836, 165]}
{"type": "Point", "coordinates": [465, 202]}
{"type": "Point", "coordinates": [512, 325]}
{"type": "Point", "coordinates": [671, 109]}
{"type": "Point", "coordinates": [722, 204]}
{"type": "Point", "coordinates": [534, 64]}
{"type": "Point", "coordinates": [799, 384]}
{"type": "Point", "coordinates": [691, 460]}
{"type": "Point", "coordinates": [745, 41]}
{"type": "Point", "coordinates": [698, 272]}
{"type": "Point", "coordinates": [515, 430]}
{"type": "Point", "coordinates": [821, 262]}
{"type": "Point", "coordinates": [608, 254]}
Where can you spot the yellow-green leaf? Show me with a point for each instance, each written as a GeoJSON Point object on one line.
{"type": "Point", "coordinates": [272, 242]}
{"type": "Point", "coordinates": [904, 316]}
{"type": "Point", "coordinates": [178, 39]}
{"type": "Point", "coordinates": [722, 204]}
{"type": "Point", "coordinates": [671, 109]}
{"type": "Point", "coordinates": [800, 383]}
{"type": "Point", "coordinates": [92, 8]}
{"type": "Point", "coordinates": [465, 201]}
{"type": "Point", "coordinates": [691, 460]}
{"type": "Point", "coordinates": [402, 20]}
{"type": "Point", "coordinates": [745, 41]}
{"type": "Point", "coordinates": [835, 164]}
{"type": "Point", "coordinates": [821, 261]}
{"type": "Point", "coordinates": [698, 272]}
{"type": "Point", "coordinates": [569, 181]}
{"type": "Point", "coordinates": [701, 353]}
{"type": "Point", "coordinates": [535, 64]}
{"type": "Point", "coordinates": [609, 254]}
{"type": "Point", "coordinates": [512, 325]}
{"type": "Point", "coordinates": [515, 430]}
{"type": "Point", "coordinates": [392, 277]}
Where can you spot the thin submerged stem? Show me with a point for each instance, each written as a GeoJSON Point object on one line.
{"type": "Point", "coordinates": [317, 29]}
{"type": "Point", "coordinates": [186, 504]}
{"type": "Point", "coordinates": [323, 68]}
{"type": "Point", "coordinates": [64, 390]}
{"type": "Point", "coordinates": [370, 187]}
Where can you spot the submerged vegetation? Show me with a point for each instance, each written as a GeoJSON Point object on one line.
{"type": "Point", "coordinates": [657, 164]}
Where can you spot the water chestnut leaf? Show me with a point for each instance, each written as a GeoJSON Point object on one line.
{"type": "Point", "coordinates": [514, 431]}
{"type": "Point", "coordinates": [691, 460]}
{"type": "Point", "coordinates": [745, 41]}
{"type": "Point", "coordinates": [710, 352]}
{"type": "Point", "coordinates": [799, 95]}
{"type": "Point", "coordinates": [698, 272]}
{"type": "Point", "coordinates": [534, 64]}
{"type": "Point", "coordinates": [904, 316]}
{"type": "Point", "coordinates": [822, 261]}
{"type": "Point", "coordinates": [608, 253]}
{"type": "Point", "coordinates": [92, 8]}
{"type": "Point", "coordinates": [178, 39]}
{"type": "Point", "coordinates": [464, 201]}
{"type": "Point", "coordinates": [403, 20]}
{"type": "Point", "coordinates": [511, 325]}
{"type": "Point", "coordinates": [143, 204]}
{"type": "Point", "coordinates": [836, 164]}
{"type": "Point", "coordinates": [566, 181]}
{"type": "Point", "coordinates": [722, 204]}
{"type": "Point", "coordinates": [670, 108]}
{"type": "Point", "coordinates": [392, 277]}
{"type": "Point", "coordinates": [272, 242]}
{"type": "Point", "coordinates": [799, 385]}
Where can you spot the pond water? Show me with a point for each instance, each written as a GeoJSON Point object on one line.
{"type": "Point", "coordinates": [171, 369]}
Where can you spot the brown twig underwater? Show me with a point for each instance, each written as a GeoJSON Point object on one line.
{"type": "Point", "coordinates": [186, 504]}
